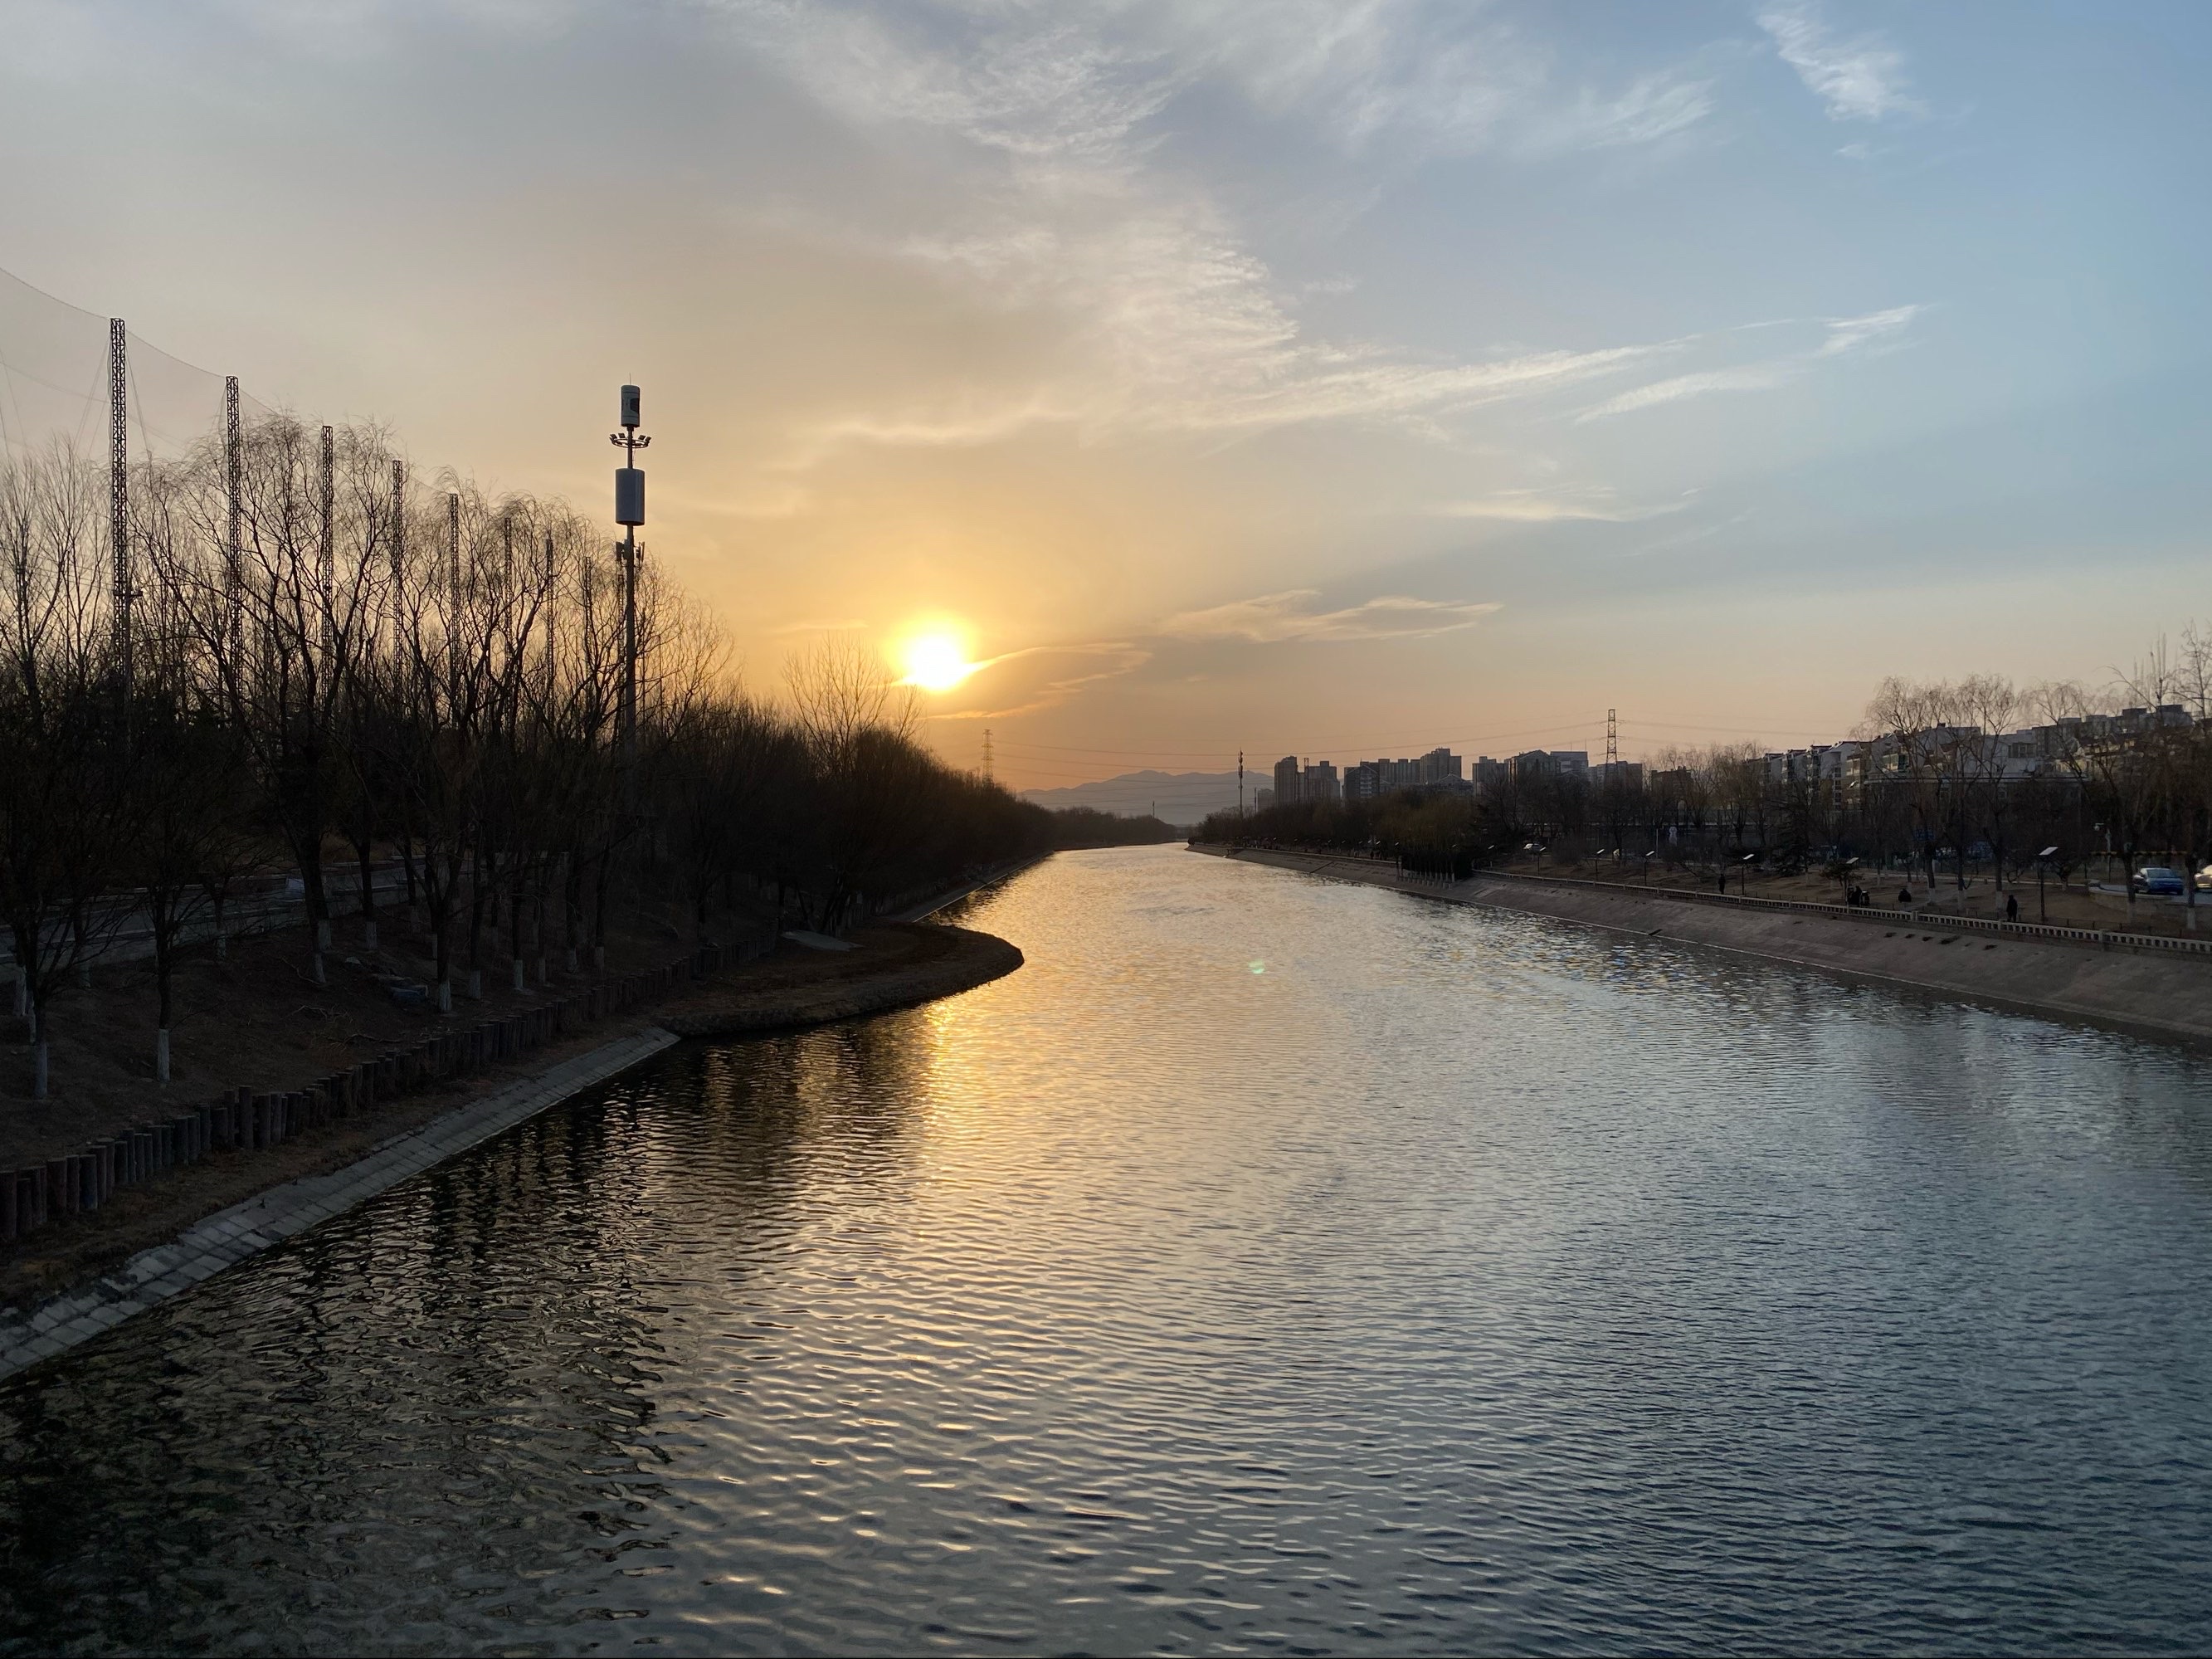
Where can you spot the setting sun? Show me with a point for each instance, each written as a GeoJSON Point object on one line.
{"type": "Point", "coordinates": [937, 662]}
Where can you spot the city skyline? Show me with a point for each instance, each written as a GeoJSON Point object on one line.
{"type": "Point", "coordinates": [1198, 378]}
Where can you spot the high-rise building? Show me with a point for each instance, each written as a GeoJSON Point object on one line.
{"type": "Point", "coordinates": [1319, 782]}
{"type": "Point", "coordinates": [1363, 782]}
{"type": "Point", "coordinates": [1572, 764]}
{"type": "Point", "coordinates": [1287, 792]}
{"type": "Point", "coordinates": [1440, 765]}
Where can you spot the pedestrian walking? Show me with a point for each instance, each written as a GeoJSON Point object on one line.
{"type": "Point", "coordinates": [2012, 907]}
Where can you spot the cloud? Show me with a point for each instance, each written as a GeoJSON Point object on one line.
{"type": "Point", "coordinates": [1751, 377]}
{"type": "Point", "coordinates": [1877, 330]}
{"type": "Point", "coordinates": [1858, 80]}
{"type": "Point", "coordinates": [1272, 618]}
{"type": "Point", "coordinates": [1849, 333]}
{"type": "Point", "coordinates": [1095, 661]}
{"type": "Point", "coordinates": [1533, 507]}
{"type": "Point", "coordinates": [1163, 318]}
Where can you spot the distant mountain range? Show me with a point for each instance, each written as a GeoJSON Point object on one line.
{"type": "Point", "coordinates": [1180, 797]}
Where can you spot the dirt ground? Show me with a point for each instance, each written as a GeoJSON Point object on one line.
{"type": "Point", "coordinates": [256, 1022]}
{"type": "Point", "coordinates": [2067, 906]}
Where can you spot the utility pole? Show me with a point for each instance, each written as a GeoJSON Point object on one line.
{"type": "Point", "coordinates": [453, 594]}
{"type": "Point", "coordinates": [235, 483]}
{"type": "Point", "coordinates": [326, 556]}
{"type": "Point", "coordinates": [629, 512]}
{"type": "Point", "coordinates": [118, 489]}
{"type": "Point", "coordinates": [987, 754]}
{"type": "Point", "coordinates": [1240, 786]}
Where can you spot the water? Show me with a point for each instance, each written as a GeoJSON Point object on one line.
{"type": "Point", "coordinates": [1271, 1264]}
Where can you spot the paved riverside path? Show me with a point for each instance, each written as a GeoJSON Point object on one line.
{"type": "Point", "coordinates": [246, 1229]}
{"type": "Point", "coordinates": [2145, 992]}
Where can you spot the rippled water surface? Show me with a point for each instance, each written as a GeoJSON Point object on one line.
{"type": "Point", "coordinates": [1271, 1264]}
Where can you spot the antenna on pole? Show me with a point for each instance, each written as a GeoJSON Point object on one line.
{"type": "Point", "coordinates": [118, 487]}
{"type": "Point", "coordinates": [629, 512]}
{"type": "Point", "coordinates": [1240, 786]}
{"type": "Point", "coordinates": [987, 754]}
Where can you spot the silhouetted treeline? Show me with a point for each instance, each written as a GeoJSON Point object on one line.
{"type": "Point", "coordinates": [316, 660]}
{"type": "Point", "coordinates": [1086, 826]}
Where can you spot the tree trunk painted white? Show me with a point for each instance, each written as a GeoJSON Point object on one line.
{"type": "Point", "coordinates": [572, 958]}
{"type": "Point", "coordinates": [222, 947]}
{"type": "Point", "coordinates": [475, 985]}
{"type": "Point", "coordinates": [519, 980]}
{"type": "Point", "coordinates": [322, 936]}
{"type": "Point", "coordinates": [38, 1069]}
{"type": "Point", "coordinates": [84, 974]}
{"type": "Point", "coordinates": [161, 1055]}
{"type": "Point", "coordinates": [369, 936]}
{"type": "Point", "coordinates": [315, 969]}
{"type": "Point", "coordinates": [22, 993]}
{"type": "Point", "coordinates": [599, 958]}
{"type": "Point", "coordinates": [445, 996]}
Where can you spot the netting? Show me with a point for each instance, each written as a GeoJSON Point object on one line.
{"type": "Point", "coordinates": [53, 383]}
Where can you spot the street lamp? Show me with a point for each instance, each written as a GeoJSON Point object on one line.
{"type": "Point", "coordinates": [1743, 879]}
{"type": "Point", "coordinates": [2042, 863]}
{"type": "Point", "coordinates": [1648, 857]}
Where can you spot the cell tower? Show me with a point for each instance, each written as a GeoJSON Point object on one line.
{"type": "Point", "coordinates": [629, 513]}
{"type": "Point", "coordinates": [1240, 784]}
{"type": "Point", "coordinates": [1612, 738]}
{"type": "Point", "coordinates": [987, 754]}
{"type": "Point", "coordinates": [118, 486]}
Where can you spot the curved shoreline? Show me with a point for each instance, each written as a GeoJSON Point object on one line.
{"type": "Point", "coordinates": [2139, 994]}
{"type": "Point", "coordinates": [969, 959]}
{"type": "Point", "coordinates": [964, 960]}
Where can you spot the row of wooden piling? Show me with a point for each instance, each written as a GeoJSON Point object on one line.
{"type": "Point", "coordinates": [244, 1121]}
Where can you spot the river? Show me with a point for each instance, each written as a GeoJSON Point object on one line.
{"type": "Point", "coordinates": [1271, 1265]}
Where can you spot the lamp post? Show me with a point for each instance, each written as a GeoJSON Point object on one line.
{"type": "Point", "coordinates": [1743, 877]}
{"type": "Point", "coordinates": [1648, 857]}
{"type": "Point", "coordinates": [2042, 863]}
{"type": "Point", "coordinates": [629, 512]}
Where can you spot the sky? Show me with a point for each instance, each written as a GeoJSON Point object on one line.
{"type": "Point", "coordinates": [1328, 377]}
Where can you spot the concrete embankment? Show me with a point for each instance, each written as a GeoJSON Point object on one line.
{"type": "Point", "coordinates": [2150, 995]}
{"type": "Point", "coordinates": [891, 967]}
{"type": "Point", "coordinates": [943, 962]}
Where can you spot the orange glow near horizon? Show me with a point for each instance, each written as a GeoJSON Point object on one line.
{"type": "Point", "coordinates": [936, 661]}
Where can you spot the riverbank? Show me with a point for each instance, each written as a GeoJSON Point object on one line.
{"type": "Point", "coordinates": [2167, 996]}
{"type": "Point", "coordinates": [917, 963]}
{"type": "Point", "coordinates": [82, 1272]}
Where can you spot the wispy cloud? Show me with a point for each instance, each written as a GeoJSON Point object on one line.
{"type": "Point", "coordinates": [1750, 377]}
{"type": "Point", "coordinates": [1862, 79]}
{"type": "Point", "coordinates": [1842, 336]}
{"type": "Point", "coordinates": [1166, 320]}
{"type": "Point", "coordinates": [1537, 506]}
{"type": "Point", "coordinates": [1876, 329]}
{"type": "Point", "coordinates": [1272, 618]}
{"type": "Point", "coordinates": [1059, 671]}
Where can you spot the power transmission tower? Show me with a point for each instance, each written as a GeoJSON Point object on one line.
{"type": "Point", "coordinates": [1612, 738]}
{"type": "Point", "coordinates": [987, 754]}
{"type": "Point", "coordinates": [118, 489]}
{"type": "Point", "coordinates": [398, 533]}
{"type": "Point", "coordinates": [1240, 786]}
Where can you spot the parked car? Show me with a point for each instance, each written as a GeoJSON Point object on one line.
{"type": "Point", "coordinates": [2204, 879]}
{"type": "Point", "coordinates": [2157, 879]}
